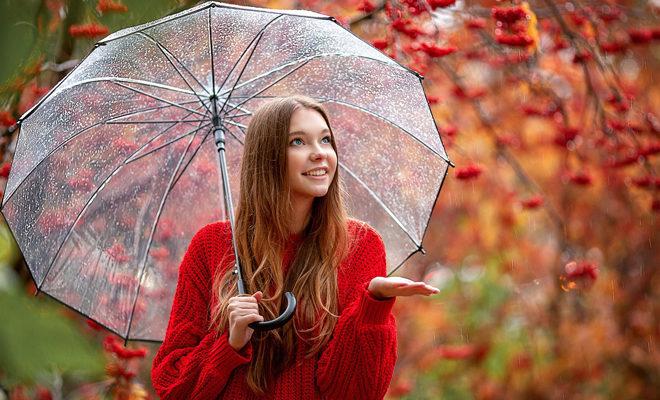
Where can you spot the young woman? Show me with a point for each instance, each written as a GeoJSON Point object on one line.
{"type": "Point", "coordinates": [292, 234]}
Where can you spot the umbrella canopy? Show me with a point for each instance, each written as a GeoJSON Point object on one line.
{"type": "Point", "coordinates": [116, 168]}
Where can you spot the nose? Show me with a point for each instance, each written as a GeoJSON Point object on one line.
{"type": "Point", "coordinates": [318, 153]}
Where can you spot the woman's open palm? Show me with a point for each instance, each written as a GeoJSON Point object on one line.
{"type": "Point", "coordinates": [392, 286]}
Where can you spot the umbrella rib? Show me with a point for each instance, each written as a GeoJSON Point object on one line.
{"type": "Point", "coordinates": [115, 79]}
{"type": "Point", "coordinates": [235, 123]}
{"type": "Point", "coordinates": [155, 121]}
{"type": "Point", "coordinates": [80, 132]}
{"type": "Point", "coordinates": [168, 190]}
{"type": "Point", "coordinates": [274, 70]}
{"type": "Point", "coordinates": [257, 37]}
{"type": "Point", "coordinates": [145, 110]}
{"type": "Point", "coordinates": [238, 115]}
{"type": "Point", "coordinates": [236, 137]}
{"type": "Point", "coordinates": [176, 139]}
{"type": "Point", "coordinates": [307, 59]}
{"type": "Point", "coordinates": [201, 143]}
{"type": "Point", "coordinates": [159, 98]}
{"type": "Point", "coordinates": [211, 54]}
{"type": "Point", "coordinates": [380, 202]}
{"type": "Point", "coordinates": [387, 121]}
{"type": "Point", "coordinates": [89, 201]}
{"type": "Point", "coordinates": [185, 167]}
{"type": "Point", "coordinates": [167, 53]}
{"type": "Point", "coordinates": [404, 261]}
{"type": "Point", "coordinates": [270, 85]}
{"type": "Point", "coordinates": [234, 107]}
{"type": "Point", "coordinates": [256, 43]}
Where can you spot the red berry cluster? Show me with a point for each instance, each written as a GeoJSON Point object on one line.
{"type": "Point", "coordinates": [88, 30]}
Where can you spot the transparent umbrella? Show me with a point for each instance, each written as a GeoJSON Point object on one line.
{"type": "Point", "coordinates": [120, 164]}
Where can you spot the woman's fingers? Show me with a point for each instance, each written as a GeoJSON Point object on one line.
{"type": "Point", "coordinates": [244, 299]}
{"type": "Point", "coordinates": [414, 288]}
{"type": "Point", "coordinates": [241, 313]}
{"type": "Point", "coordinates": [254, 307]}
{"type": "Point", "coordinates": [247, 319]}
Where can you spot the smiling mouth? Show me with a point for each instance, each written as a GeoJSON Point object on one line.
{"type": "Point", "coordinates": [316, 174]}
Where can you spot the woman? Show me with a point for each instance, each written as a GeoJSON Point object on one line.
{"type": "Point", "coordinates": [292, 234]}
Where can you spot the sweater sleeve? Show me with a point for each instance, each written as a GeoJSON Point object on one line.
{"type": "Point", "coordinates": [359, 360]}
{"type": "Point", "coordinates": [192, 362]}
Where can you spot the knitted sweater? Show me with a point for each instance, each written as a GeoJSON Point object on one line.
{"type": "Point", "coordinates": [357, 362]}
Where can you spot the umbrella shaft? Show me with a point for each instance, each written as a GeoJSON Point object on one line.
{"type": "Point", "coordinates": [219, 135]}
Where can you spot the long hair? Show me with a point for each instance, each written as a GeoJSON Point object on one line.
{"type": "Point", "coordinates": [261, 230]}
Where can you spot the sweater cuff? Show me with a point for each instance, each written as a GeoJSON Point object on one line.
{"type": "Point", "coordinates": [222, 354]}
{"type": "Point", "coordinates": [374, 311]}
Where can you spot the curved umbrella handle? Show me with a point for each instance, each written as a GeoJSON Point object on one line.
{"type": "Point", "coordinates": [282, 319]}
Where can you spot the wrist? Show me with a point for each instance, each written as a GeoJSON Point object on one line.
{"type": "Point", "coordinates": [376, 294]}
{"type": "Point", "coordinates": [233, 346]}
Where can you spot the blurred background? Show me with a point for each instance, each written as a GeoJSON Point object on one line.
{"type": "Point", "coordinates": [542, 240]}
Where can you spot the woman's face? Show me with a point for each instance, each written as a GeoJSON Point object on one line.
{"type": "Point", "coordinates": [309, 152]}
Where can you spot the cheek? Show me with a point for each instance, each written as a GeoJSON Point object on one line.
{"type": "Point", "coordinates": [333, 159]}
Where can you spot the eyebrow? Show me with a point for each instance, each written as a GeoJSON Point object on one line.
{"type": "Point", "coordinates": [304, 133]}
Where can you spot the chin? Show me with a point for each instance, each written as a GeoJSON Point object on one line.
{"type": "Point", "coordinates": [317, 193]}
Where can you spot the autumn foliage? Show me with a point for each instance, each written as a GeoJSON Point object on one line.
{"type": "Point", "coordinates": [543, 237]}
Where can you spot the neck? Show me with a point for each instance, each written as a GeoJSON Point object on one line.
{"type": "Point", "coordinates": [301, 213]}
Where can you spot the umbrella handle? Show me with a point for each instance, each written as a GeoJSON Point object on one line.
{"type": "Point", "coordinates": [282, 319]}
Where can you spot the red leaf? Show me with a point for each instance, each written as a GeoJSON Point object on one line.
{"type": "Point", "coordinates": [581, 56]}
{"type": "Point", "coordinates": [640, 35]}
{"type": "Point", "coordinates": [5, 169]}
{"type": "Point", "coordinates": [367, 6]}
{"type": "Point", "coordinates": [475, 23]}
{"type": "Point", "coordinates": [91, 30]}
{"type": "Point", "coordinates": [581, 270]}
{"type": "Point", "coordinates": [533, 202]}
{"type": "Point", "coordinates": [508, 14]}
{"type": "Point", "coordinates": [380, 44]}
{"type": "Point", "coordinates": [434, 50]}
{"type": "Point", "coordinates": [514, 39]}
{"type": "Point", "coordinates": [6, 119]}
{"type": "Point", "coordinates": [105, 6]}
{"type": "Point", "coordinates": [580, 178]}
{"type": "Point", "coordinates": [440, 3]}
{"type": "Point", "coordinates": [468, 172]}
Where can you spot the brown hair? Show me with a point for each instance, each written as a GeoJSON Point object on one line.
{"type": "Point", "coordinates": [262, 228]}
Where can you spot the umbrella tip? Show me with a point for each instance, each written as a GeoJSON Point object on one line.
{"type": "Point", "coordinates": [421, 249]}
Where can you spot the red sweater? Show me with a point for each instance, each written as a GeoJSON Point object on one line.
{"type": "Point", "coordinates": [357, 362]}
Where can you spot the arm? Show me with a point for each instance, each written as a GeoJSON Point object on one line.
{"type": "Point", "coordinates": [358, 362]}
{"type": "Point", "coordinates": [192, 363]}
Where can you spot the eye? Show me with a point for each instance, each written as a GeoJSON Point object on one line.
{"type": "Point", "coordinates": [329, 139]}
{"type": "Point", "coordinates": [294, 140]}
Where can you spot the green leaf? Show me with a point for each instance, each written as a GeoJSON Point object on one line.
{"type": "Point", "coordinates": [36, 338]}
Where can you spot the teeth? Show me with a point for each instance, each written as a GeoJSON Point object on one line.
{"type": "Point", "coordinates": [316, 173]}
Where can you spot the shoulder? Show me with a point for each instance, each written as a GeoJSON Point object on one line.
{"type": "Point", "coordinates": [207, 238]}
{"type": "Point", "coordinates": [201, 255]}
{"type": "Point", "coordinates": [363, 236]}
{"type": "Point", "coordinates": [212, 231]}
{"type": "Point", "coordinates": [361, 230]}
